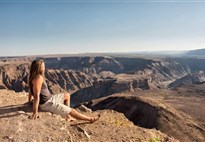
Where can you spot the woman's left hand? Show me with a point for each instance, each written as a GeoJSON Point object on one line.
{"type": "Point", "coordinates": [34, 116]}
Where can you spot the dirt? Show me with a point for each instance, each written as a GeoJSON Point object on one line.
{"type": "Point", "coordinates": [112, 126]}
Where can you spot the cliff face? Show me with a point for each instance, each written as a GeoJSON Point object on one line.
{"type": "Point", "coordinates": [161, 72]}
{"type": "Point", "coordinates": [85, 64]}
{"type": "Point", "coordinates": [114, 64]}
{"type": "Point", "coordinates": [152, 113]}
{"type": "Point", "coordinates": [68, 80]}
{"type": "Point", "coordinates": [193, 78]}
{"type": "Point", "coordinates": [14, 77]}
{"type": "Point", "coordinates": [90, 73]}
{"type": "Point", "coordinates": [108, 87]}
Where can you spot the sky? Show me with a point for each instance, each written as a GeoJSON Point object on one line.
{"type": "Point", "coordinates": [29, 27]}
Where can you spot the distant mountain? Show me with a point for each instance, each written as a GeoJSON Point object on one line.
{"type": "Point", "coordinates": [198, 52]}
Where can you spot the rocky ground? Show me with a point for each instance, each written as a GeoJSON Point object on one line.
{"type": "Point", "coordinates": [112, 126]}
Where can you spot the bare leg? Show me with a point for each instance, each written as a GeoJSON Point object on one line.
{"type": "Point", "coordinates": [80, 116]}
{"type": "Point", "coordinates": [67, 103]}
{"type": "Point", "coordinates": [74, 114]}
{"type": "Point", "coordinates": [69, 118]}
{"type": "Point", "coordinates": [67, 99]}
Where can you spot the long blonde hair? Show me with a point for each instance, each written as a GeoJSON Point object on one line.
{"type": "Point", "coordinates": [35, 69]}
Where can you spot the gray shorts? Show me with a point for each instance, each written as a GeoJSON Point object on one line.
{"type": "Point", "coordinates": [56, 105]}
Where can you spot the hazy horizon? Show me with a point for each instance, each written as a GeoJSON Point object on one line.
{"type": "Point", "coordinates": [160, 52]}
{"type": "Point", "coordinates": [78, 27]}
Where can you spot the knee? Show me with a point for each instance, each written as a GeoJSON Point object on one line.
{"type": "Point", "coordinates": [66, 95]}
{"type": "Point", "coordinates": [72, 112]}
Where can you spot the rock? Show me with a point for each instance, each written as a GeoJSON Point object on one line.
{"type": "Point", "coordinates": [19, 130]}
{"type": "Point", "coordinates": [2, 87]}
{"type": "Point", "coordinates": [86, 134]}
{"type": "Point", "coordinates": [58, 117]}
{"type": "Point", "coordinates": [84, 108]}
{"type": "Point", "coordinates": [70, 136]}
{"type": "Point", "coordinates": [9, 137]}
{"type": "Point", "coordinates": [50, 114]}
{"type": "Point", "coordinates": [62, 128]}
{"type": "Point", "coordinates": [20, 112]}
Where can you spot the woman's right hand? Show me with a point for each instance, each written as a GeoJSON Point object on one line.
{"type": "Point", "coordinates": [34, 116]}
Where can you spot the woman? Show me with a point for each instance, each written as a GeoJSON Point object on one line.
{"type": "Point", "coordinates": [58, 104]}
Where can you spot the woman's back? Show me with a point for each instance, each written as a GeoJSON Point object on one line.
{"type": "Point", "coordinates": [45, 94]}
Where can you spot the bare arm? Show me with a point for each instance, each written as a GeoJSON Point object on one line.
{"type": "Point", "coordinates": [37, 84]}
{"type": "Point", "coordinates": [29, 96]}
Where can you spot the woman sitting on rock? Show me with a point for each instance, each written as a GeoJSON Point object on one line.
{"type": "Point", "coordinates": [58, 104]}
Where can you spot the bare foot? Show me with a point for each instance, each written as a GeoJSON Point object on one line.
{"type": "Point", "coordinates": [95, 118]}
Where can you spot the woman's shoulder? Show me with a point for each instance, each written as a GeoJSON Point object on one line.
{"type": "Point", "coordinates": [38, 78]}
